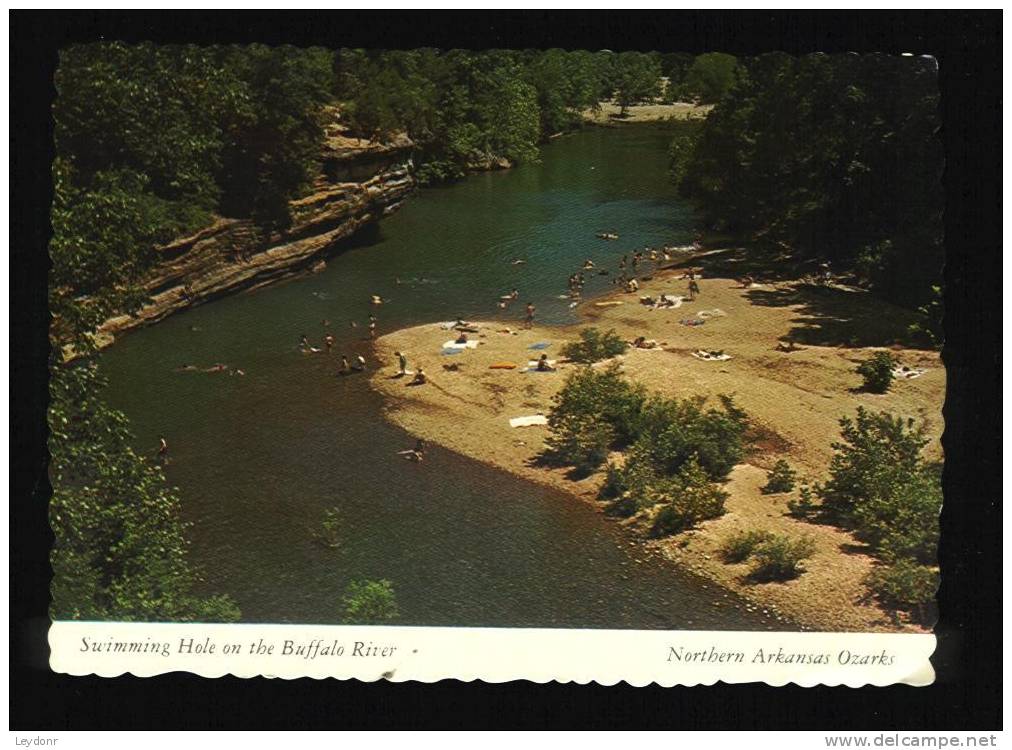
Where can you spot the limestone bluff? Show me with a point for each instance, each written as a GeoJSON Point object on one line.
{"type": "Point", "coordinates": [359, 182]}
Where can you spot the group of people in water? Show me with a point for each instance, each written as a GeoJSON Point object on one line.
{"type": "Point", "coordinates": [358, 363]}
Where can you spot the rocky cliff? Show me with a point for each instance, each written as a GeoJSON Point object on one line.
{"type": "Point", "coordinates": [359, 183]}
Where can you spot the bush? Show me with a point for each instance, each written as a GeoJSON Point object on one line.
{"type": "Point", "coordinates": [688, 498]}
{"type": "Point", "coordinates": [672, 430]}
{"type": "Point", "coordinates": [901, 521]}
{"type": "Point", "coordinates": [905, 584]}
{"type": "Point", "coordinates": [594, 346]}
{"type": "Point", "coordinates": [604, 397]}
{"type": "Point", "coordinates": [779, 558]}
{"type": "Point", "coordinates": [614, 483]}
{"type": "Point", "coordinates": [329, 533]}
{"type": "Point", "coordinates": [781, 479]}
{"type": "Point", "coordinates": [581, 441]}
{"type": "Point", "coordinates": [878, 451]}
{"type": "Point", "coordinates": [742, 544]}
{"type": "Point", "coordinates": [369, 603]}
{"type": "Point", "coordinates": [804, 506]}
{"type": "Point", "coordinates": [881, 488]}
{"type": "Point", "coordinates": [877, 372]}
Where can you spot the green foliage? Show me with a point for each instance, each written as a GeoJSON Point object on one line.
{"type": "Point", "coordinates": [103, 239]}
{"type": "Point", "coordinates": [781, 479]}
{"type": "Point", "coordinates": [603, 396]}
{"type": "Point", "coordinates": [120, 551]}
{"type": "Point", "coordinates": [672, 430]}
{"type": "Point", "coordinates": [877, 372]}
{"type": "Point", "coordinates": [579, 440]}
{"type": "Point", "coordinates": [740, 545]}
{"type": "Point", "coordinates": [634, 77]}
{"type": "Point", "coordinates": [881, 487]}
{"type": "Point", "coordinates": [464, 108]}
{"type": "Point", "coordinates": [688, 498]}
{"type": "Point", "coordinates": [804, 506]}
{"type": "Point", "coordinates": [929, 329]}
{"type": "Point", "coordinates": [594, 346]}
{"type": "Point", "coordinates": [682, 148]}
{"type": "Point", "coordinates": [273, 131]}
{"type": "Point", "coordinates": [369, 603]}
{"type": "Point", "coordinates": [150, 139]}
{"type": "Point", "coordinates": [829, 156]}
{"type": "Point", "coordinates": [329, 533]}
{"type": "Point", "coordinates": [905, 584]}
{"type": "Point", "coordinates": [709, 78]}
{"type": "Point", "coordinates": [780, 558]}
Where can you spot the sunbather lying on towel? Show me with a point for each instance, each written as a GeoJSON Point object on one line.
{"type": "Point", "coordinates": [641, 342]}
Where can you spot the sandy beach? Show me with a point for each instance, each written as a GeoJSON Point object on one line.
{"type": "Point", "coordinates": [794, 401]}
{"type": "Point", "coordinates": [608, 112]}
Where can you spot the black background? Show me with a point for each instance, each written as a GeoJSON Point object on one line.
{"type": "Point", "coordinates": [967, 693]}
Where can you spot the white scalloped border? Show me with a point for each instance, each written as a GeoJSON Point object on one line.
{"type": "Point", "coordinates": [494, 655]}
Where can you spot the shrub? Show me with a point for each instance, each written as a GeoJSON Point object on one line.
{"type": "Point", "coordinates": [688, 498]}
{"type": "Point", "coordinates": [614, 483]}
{"type": "Point", "coordinates": [779, 558]}
{"type": "Point", "coordinates": [878, 450]}
{"type": "Point", "coordinates": [329, 533]}
{"type": "Point", "coordinates": [594, 346]}
{"type": "Point", "coordinates": [672, 430]}
{"type": "Point", "coordinates": [901, 521]}
{"type": "Point", "coordinates": [877, 372]}
{"type": "Point", "coordinates": [881, 487]}
{"type": "Point", "coordinates": [603, 396]}
{"type": "Point", "coordinates": [580, 441]}
{"type": "Point", "coordinates": [804, 506]}
{"type": "Point", "coordinates": [369, 602]}
{"type": "Point", "coordinates": [781, 479]}
{"type": "Point", "coordinates": [905, 584]}
{"type": "Point", "coordinates": [742, 544]}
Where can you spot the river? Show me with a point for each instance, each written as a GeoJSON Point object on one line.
{"type": "Point", "coordinates": [257, 459]}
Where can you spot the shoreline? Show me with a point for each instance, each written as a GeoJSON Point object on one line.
{"type": "Point", "coordinates": [467, 411]}
{"type": "Point", "coordinates": [607, 115]}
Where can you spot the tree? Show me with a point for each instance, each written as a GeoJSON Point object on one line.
{"type": "Point", "coordinates": [369, 603]}
{"type": "Point", "coordinates": [829, 156]}
{"type": "Point", "coordinates": [881, 487]}
{"type": "Point", "coordinates": [877, 372]}
{"type": "Point", "coordinates": [635, 77]}
{"type": "Point", "coordinates": [120, 551]}
{"type": "Point", "coordinates": [709, 77]}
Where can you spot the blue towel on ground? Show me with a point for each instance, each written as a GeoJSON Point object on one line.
{"type": "Point", "coordinates": [540, 345]}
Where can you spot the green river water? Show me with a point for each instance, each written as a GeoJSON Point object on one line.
{"type": "Point", "coordinates": [258, 458]}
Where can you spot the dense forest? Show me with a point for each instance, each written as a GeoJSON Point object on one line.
{"type": "Point", "coordinates": [832, 158]}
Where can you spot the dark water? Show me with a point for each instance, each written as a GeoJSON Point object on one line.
{"type": "Point", "coordinates": [258, 458]}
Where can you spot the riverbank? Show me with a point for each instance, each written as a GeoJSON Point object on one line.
{"type": "Point", "coordinates": [359, 183]}
{"type": "Point", "coordinates": [794, 400]}
{"type": "Point", "coordinates": [610, 113]}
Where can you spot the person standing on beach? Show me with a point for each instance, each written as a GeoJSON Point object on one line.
{"type": "Point", "coordinates": [402, 362]}
{"type": "Point", "coordinates": [529, 320]}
